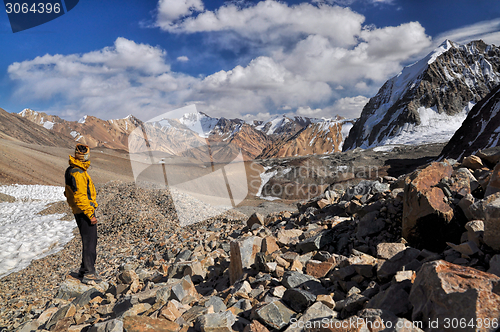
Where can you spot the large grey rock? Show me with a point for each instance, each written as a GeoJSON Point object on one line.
{"type": "Point", "coordinates": [492, 224]}
{"type": "Point", "coordinates": [314, 317]}
{"type": "Point", "coordinates": [275, 315]}
{"type": "Point", "coordinates": [113, 325]}
{"type": "Point", "coordinates": [243, 253]}
{"type": "Point", "coordinates": [217, 322]}
{"type": "Point", "coordinates": [316, 242]}
{"type": "Point", "coordinates": [217, 304]}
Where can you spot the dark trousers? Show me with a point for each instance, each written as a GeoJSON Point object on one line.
{"type": "Point", "coordinates": [88, 232]}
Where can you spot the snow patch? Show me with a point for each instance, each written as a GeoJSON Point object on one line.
{"type": "Point", "coordinates": [82, 120]}
{"type": "Point", "coordinates": [264, 178]}
{"type": "Point", "coordinates": [48, 125]}
{"type": "Point", "coordinates": [24, 234]}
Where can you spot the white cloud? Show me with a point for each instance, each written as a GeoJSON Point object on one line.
{"type": "Point", "coordinates": [270, 21]}
{"type": "Point", "coordinates": [314, 56]}
{"type": "Point", "coordinates": [171, 10]}
{"type": "Point", "coordinates": [488, 31]}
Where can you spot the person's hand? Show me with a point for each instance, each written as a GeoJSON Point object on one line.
{"type": "Point", "coordinates": [93, 221]}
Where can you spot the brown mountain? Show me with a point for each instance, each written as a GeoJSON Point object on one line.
{"type": "Point", "coordinates": [15, 128]}
{"type": "Point", "coordinates": [280, 136]}
{"type": "Point", "coordinates": [316, 138]}
{"type": "Point", "coordinates": [89, 130]}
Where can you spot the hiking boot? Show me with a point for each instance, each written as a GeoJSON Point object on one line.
{"type": "Point", "coordinates": [91, 278]}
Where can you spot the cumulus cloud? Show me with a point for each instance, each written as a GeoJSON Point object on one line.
{"type": "Point", "coordinates": [271, 21]}
{"type": "Point", "coordinates": [314, 56]}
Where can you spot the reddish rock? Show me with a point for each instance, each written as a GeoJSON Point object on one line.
{"type": "Point", "coordinates": [148, 324]}
{"type": "Point", "coordinates": [444, 290]}
{"type": "Point", "coordinates": [269, 245]}
{"type": "Point", "coordinates": [318, 269]}
{"type": "Point", "coordinates": [426, 215]}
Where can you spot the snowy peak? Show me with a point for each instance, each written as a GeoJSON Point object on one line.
{"type": "Point", "coordinates": [428, 100]}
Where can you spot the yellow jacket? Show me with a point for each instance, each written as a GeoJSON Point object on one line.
{"type": "Point", "coordinates": [80, 191]}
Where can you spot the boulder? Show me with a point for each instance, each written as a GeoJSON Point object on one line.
{"type": "Point", "coordinates": [316, 242]}
{"type": "Point", "coordinates": [318, 269]}
{"type": "Point", "coordinates": [314, 317]}
{"type": "Point", "coordinates": [444, 291]}
{"type": "Point", "coordinates": [426, 216]}
{"type": "Point", "coordinates": [275, 314]}
{"type": "Point", "coordinates": [492, 224]}
{"type": "Point", "coordinates": [217, 322]}
{"type": "Point", "coordinates": [243, 252]}
{"type": "Point", "coordinates": [184, 290]}
{"type": "Point", "coordinates": [472, 162]}
{"type": "Point", "coordinates": [393, 299]}
{"type": "Point", "coordinates": [298, 299]}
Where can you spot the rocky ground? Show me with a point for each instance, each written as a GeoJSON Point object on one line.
{"type": "Point", "coordinates": [409, 253]}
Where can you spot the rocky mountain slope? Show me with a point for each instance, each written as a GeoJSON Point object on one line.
{"type": "Point", "coordinates": [19, 129]}
{"type": "Point", "coordinates": [428, 100]}
{"type": "Point", "coordinates": [280, 136]}
{"type": "Point", "coordinates": [389, 254]}
{"type": "Point", "coordinates": [316, 138]}
{"type": "Point", "coordinates": [480, 130]}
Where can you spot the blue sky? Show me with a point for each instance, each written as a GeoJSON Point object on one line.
{"type": "Point", "coordinates": [247, 59]}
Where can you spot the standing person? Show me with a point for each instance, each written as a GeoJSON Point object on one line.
{"type": "Point", "coordinates": [81, 196]}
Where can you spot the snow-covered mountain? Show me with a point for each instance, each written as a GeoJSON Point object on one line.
{"type": "Point", "coordinates": [185, 135]}
{"type": "Point", "coordinates": [479, 131]}
{"type": "Point", "coordinates": [428, 101]}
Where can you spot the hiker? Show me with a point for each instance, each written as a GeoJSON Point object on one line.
{"type": "Point", "coordinates": [81, 196]}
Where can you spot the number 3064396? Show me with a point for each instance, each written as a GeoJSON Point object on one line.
{"type": "Point", "coordinates": [35, 8]}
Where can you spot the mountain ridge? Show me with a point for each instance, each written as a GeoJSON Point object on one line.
{"type": "Point", "coordinates": [428, 100]}
{"type": "Point", "coordinates": [252, 138]}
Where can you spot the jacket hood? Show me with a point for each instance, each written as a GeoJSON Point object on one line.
{"type": "Point", "coordinates": [75, 162]}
